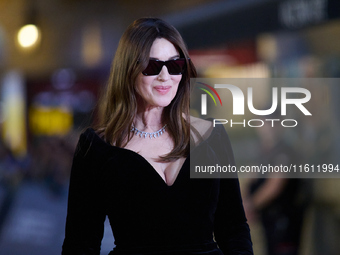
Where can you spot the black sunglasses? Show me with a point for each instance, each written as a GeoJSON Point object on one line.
{"type": "Point", "coordinates": [174, 66]}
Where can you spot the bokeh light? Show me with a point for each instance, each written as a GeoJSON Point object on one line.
{"type": "Point", "coordinates": [28, 36]}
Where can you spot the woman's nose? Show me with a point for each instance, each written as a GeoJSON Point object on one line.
{"type": "Point", "coordinates": [164, 74]}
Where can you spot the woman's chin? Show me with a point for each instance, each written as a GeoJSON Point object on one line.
{"type": "Point", "coordinates": [163, 103]}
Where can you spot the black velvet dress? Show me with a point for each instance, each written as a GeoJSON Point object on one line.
{"type": "Point", "coordinates": [192, 216]}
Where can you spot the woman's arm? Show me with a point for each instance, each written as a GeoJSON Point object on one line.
{"type": "Point", "coordinates": [85, 213]}
{"type": "Point", "coordinates": [231, 230]}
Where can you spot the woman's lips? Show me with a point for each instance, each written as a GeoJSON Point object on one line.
{"type": "Point", "coordinates": [162, 89]}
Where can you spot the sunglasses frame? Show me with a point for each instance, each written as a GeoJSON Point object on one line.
{"type": "Point", "coordinates": [161, 63]}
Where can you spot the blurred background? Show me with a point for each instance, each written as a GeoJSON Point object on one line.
{"type": "Point", "coordinates": [55, 58]}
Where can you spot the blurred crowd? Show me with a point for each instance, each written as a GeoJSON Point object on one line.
{"type": "Point", "coordinates": [48, 162]}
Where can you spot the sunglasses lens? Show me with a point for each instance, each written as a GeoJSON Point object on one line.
{"type": "Point", "coordinates": [154, 67]}
{"type": "Point", "coordinates": [175, 67]}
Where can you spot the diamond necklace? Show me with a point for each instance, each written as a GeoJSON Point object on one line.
{"type": "Point", "coordinates": [147, 134]}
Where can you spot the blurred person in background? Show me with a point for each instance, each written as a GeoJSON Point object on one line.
{"type": "Point", "coordinates": [279, 202]}
{"type": "Point", "coordinates": [135, 166]}
{"type": "Point", "coordinates": [12, 171]}
{"type": "Point", "coordinates": [51, 161]}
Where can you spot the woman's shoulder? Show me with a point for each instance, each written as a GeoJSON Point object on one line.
{"type": "Point", "coordinates": [92, 146]}
{"type": "Point", "coordinates": [215, 137]}
{"type": "Point", "coordinates": [203, 130]}
{"type": "Point", "coordinates": [90, 136]}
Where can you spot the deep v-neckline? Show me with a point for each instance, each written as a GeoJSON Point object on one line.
{"type": "Point", "coordinates": [151, 167]}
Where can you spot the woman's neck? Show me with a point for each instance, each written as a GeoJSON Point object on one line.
{"type": "Point", "coordinates": [149, 119]}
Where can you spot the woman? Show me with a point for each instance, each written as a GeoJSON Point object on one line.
{"type": "Point", "coordinates": [135, 166]}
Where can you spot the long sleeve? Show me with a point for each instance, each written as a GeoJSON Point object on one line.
{"type": "Point", "coordinates": [85, 213]}
{"type": "Point", "coordinates": [231, 230]}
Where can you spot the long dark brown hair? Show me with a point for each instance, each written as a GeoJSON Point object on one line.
{"type": "Point", "coordinates": [120, 104]}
